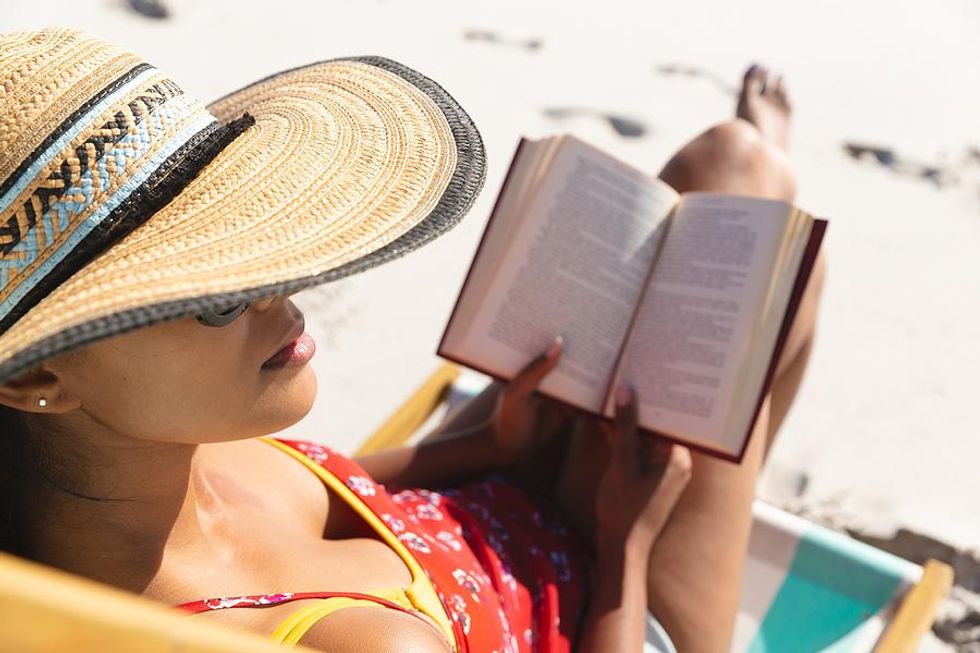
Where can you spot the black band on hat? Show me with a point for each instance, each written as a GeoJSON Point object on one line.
{"type": "Point", "coordinates": [162, 185]}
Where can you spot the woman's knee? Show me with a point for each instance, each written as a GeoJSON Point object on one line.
{"type": "Point", "coordinates": [733, 157]}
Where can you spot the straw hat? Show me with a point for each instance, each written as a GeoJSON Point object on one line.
{"type": "Point", "coordinates": [125, 201]}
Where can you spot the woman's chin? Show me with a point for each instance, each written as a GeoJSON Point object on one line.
{"type": "Point", "coordinates": [288, 399]}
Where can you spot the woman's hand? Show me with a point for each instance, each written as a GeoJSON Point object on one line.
{"type": "Point", "coordinates": [509, 423]}
{"type": "Point", "coordinates": [643, 480]}
{"type": "Point", "coordinates": [644, 477]}
{"type": "Point", "coordinates": [524, 420]}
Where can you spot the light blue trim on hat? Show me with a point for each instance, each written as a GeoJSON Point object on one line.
{"type": "Point", "coordinates": [107, 205]}
{"type": "Point", "coordinates": [58, 145]}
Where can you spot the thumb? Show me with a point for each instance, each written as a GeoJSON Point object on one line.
{"type": "Point", "coordinates": [528, 379]}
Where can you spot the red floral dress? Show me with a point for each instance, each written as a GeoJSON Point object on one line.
{"type": "Point", "coordinates": [508, 574]}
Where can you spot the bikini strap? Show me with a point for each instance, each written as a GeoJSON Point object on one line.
{"type": "Point", "coordinates": [292, 629]}
{"type": "Point", "coordinates": [268, 600]}
{"type": "Point", "coordinates": [296, 625]}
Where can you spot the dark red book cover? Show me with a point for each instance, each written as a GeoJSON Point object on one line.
{"type": "Point", "coordinates": [806, 268]}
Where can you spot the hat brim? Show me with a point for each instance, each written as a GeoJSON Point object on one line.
{"type": "Point", "coordinates": [350, 163]}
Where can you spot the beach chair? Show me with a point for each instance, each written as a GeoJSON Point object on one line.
{"type": "Point", "coordinates": [806, 589]}
{"type": "Point", "coordinates": [44, 610]}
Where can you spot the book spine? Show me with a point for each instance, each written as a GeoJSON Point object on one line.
{"type": "Point", "coordinates": [508, 178]}
{"type": "Point", "coordinates": [802, 277]}
{"type": "Point", "coordinates": [617, 362]}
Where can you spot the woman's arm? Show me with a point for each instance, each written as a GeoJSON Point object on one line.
{"type": "Point", "coordinates": [438, 462]}
{"type": "Point", "coordinates": [616, 621]}
{"type": "Point", "coordinates": [515, 425]}
{"type": "Point", "coordinates": [642, 482]}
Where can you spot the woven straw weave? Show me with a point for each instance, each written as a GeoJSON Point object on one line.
{"type": "Point", "coordinates": [336, 167]}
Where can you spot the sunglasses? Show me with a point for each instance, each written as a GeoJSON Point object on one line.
{"type": "Point", "coordinates": [221, 317]}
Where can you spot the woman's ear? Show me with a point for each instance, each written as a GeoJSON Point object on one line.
{"type": "Point", "coordinates": [37, 391]}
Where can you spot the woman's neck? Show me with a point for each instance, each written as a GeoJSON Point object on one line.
{"type": "Point", "coordinates": [132, 499]}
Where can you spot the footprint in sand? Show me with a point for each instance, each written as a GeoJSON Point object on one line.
{"type": "Point", "coordinates": [488, 36]}
{"type": "Point", "coordinates": [624, 126]}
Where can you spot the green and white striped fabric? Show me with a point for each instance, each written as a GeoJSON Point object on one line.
{"type": "Point", "coordinates": [808, 589]}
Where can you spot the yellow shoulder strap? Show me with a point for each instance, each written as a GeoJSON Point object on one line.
{"type": "Point", "coordinates": [421, 592]}
{"type": "Point", "coordinates": [292, 629]}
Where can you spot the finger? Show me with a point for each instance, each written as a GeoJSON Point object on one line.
{"type": "Point", "coordinates": [550, 421]}
{"type": "Point", "coordinates": [562, 410]}
{"type": "Point", "coordinates": [624, 424]}
{"type": "Point", "coordinates": [653, 452]}
{"type": "Point", "coordinates": [531, 376]}
{"type": "Point", "coordinates": [606, 428]}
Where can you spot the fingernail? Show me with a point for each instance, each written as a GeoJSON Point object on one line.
{"type": "Point", "coordinates": [622, 395]}
{"type": "Point", "coordinates": [555, 348]}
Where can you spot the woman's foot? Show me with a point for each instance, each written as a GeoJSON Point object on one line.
{"type": "Point", "coordinates": [764, 102]}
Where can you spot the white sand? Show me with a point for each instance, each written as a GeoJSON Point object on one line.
{"type": "Point", "coordinates": [885, 421]}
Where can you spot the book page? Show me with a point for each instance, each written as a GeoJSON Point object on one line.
{"type": "Point", "coordinates": [531, 160]}
{"type": "Point", "coordinates": [574, 264]}
{"type": "Point", "coordinates": [766, 332]}
{"type": "Point", "coordinates": [692, 330]}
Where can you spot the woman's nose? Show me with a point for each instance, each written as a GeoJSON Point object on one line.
{"type": "Point", "coordinates": [266, 303]}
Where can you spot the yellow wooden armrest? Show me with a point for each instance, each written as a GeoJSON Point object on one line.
{"type": "Point", "coordinates": [918, 609]}
{"type": "Point", "coordinates": [44, 610]}
{"type": "Point", "coordinates": [400, 426]}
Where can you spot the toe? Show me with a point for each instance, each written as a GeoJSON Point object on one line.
{"type": "Point", "coordinates": [754, 79]}
{"type": "Point", "coordinates": [768, 82]}
{"type": "Point", "coordinates": [781, 93]}
{"type": "Point", "coordinates": [773, 84]}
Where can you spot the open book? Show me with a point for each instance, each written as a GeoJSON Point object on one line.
{"type": "Point", "coordinates": [687, 297]}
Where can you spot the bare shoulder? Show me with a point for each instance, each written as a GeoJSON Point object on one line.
{"type": "Point", "coordinates": [374, 630]}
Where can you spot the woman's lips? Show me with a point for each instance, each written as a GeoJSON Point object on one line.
{"type": "Point", "coordinates": [297, 352]}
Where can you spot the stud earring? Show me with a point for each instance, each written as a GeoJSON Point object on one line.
{"type": "Point", "coordinates": [42, 402]}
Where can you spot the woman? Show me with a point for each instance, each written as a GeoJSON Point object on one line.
{"type": "Point", "coordinates": [133, 456]}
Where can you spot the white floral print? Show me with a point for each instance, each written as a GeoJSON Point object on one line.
{"type": "Point", "coordinates": [428, 511]}
{"type": "Point", "coordinates": [394, 523]}
{"type": "Point", "coordinates": [415, 542]}
{"type": "Point", "coordinates": [313, 451]}
{"type": "Point", "coordinates": [449, 540]}
{"type": "Point", "coordinates": [362, 485]}
{"type": "Point", "coordinates": [233, 601]}
{"type": "Point", "coordinates": [468, 582]}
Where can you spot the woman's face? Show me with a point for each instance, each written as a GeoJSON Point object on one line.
{"type": "Point", "coordinates": [182, 381]}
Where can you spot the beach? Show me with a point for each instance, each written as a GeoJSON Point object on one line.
{"type": "Point", "coordinates": [886, 144]}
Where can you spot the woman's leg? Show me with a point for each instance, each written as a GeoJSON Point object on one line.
{"type": "Point", "coordinates": [696, 564]}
